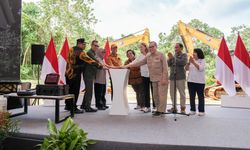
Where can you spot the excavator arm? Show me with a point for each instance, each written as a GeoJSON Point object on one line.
{"type": "Point", "coordinates": [188, 34]}
{"type": "Point", "coordinates": [140, 36]}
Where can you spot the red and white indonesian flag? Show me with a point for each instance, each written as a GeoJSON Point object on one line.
{"type": "Point", "coordinates": [242, 66]}
{"type": "Point", "coordinates": [50, 62]}
{"type": "Point", "coordinates": [62, 60]}
{"type": "Point", "coordinates": [224, 69]}
{"type": "Point", "coordinates": [107, 49]}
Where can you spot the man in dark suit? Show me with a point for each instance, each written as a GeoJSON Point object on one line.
{"type": "Point", "coordinates": [77, 61]}
{"type": "Point", "coordinates": [74, 70]}
{"type": "Point", "coordinates": [89, 76]}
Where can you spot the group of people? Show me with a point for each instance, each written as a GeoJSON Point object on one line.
{"type": "Point", "coordinates": [154, 70]}
{"type": "Point", "coordinates": [149, 69]}
{"type": "Point", "coordinates": [87, 64]}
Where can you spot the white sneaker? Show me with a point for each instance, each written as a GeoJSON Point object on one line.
{"type": "Point", "coordinates": [192, 113]}
{"type": "Point", "coordinates": [146, 110]}
{"type": "Point", "coordinates": [137, 107]}
{"type": "Point", "coordinates": [201, 114]}
{"type": "Point", "coordinates": [153, 110]}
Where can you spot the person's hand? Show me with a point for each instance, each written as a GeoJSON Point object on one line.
{"type": "Point", "coordinates": [124, 67]}
{"type": "Point", "coordinates": [164, 82]}
{"type": "Point", "coordinates": [99, 66]}
{"type": "Point", "coordinates": [170, 55]}
{"type": "Point", "coordinates": [108, 66]}
{"type": "Point", "coordinates": [191, 59]}
{"type": "Point", "coordinates": [111, 67]}
{"type": "Point", "coordinates": [115, 67]}
{"type": "Point", "coordinates": [105, 67]}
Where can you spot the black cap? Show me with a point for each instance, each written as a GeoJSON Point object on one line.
{"type": "Point", "coordinates": [81, 40]}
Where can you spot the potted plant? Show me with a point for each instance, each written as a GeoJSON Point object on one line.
{"type": "Point", "coordinates": [69, 137]}
{"type": "Point", "coordinates": [7, 127]}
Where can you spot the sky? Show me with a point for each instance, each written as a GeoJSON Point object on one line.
{"type": "Point", "coordinates": [118, 17]}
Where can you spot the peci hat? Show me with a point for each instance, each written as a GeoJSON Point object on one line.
{"type": "Point", "coordinates": [81, 40]}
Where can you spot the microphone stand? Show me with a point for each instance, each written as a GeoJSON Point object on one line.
{"type": "Point", "coordinates": [174, 112]}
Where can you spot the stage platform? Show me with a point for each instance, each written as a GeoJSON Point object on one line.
{"type": "Point", "coordinates": [220, 127]}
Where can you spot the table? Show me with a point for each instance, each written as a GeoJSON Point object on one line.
{"type": "Point", "coordinates": [45, 97]}
{"type": "Point", "coordinates": [120, 82]}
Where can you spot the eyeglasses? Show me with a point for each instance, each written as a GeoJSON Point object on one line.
{"type": "Point", "coordinates": [151, 46]}
{"type": "Point", "coordinates": [96, 45]}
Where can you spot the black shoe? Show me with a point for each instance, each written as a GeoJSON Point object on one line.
{"type": "Point", "coordinates": [90, 109]}
{"type": "Point", "coordinates": [157, 114]}
{"type": "Point", "coordinates": [172, 110]}
{"type": "Point", "coordinates": [101, 108]}
{"type": "Point", "coordinates": [106, 107]}
{"type": "Point", "coordinates": [78, 111]}
{"type": "Point", "coordinates": [82, 107]}
{"type": "Point", "coordinates": [67, 108]}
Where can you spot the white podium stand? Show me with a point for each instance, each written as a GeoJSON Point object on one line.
{"type": "Point", "coordinates": [235, 101]}
{"type": "Point", "coordinates": [120, 101]}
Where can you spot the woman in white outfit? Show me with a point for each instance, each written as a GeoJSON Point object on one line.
{"type": "Point", "coordinates": [145, 77]}
{"type": "Point", "coordinates": [196, 81]}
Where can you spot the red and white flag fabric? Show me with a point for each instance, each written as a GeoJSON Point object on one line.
{"type": "Point", "coordinates": [224, 69]}
{"type": "Point", "coordinates": [50, 62]}
{"type": "Point", "coordinates": [242, 66]}
{"type": "Point", "coordinates": [107, 50]}
{"type": "Point", "coordinates": [62, 61]}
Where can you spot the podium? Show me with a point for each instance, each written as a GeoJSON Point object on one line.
{"type": "Point", "coordinates": [235, 101]}
{"type": "Point", "coordinates": [120, 101]}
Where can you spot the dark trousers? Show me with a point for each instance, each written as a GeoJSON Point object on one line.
{"type": "Point", "coordinates": [88, 81]}
{"type": "Point", "coordinates": [151, 88]}
{"type": "Point", "coordinates": [100, 91]}
{"type": "Point", "coordinates": [74, 88]}
{"type": "Point", "coordinates": [147, 86]}
{"type": "Point", "coordinates": [146, 90]}
{"type": "Point", "coordinates": [138, 88]}
{"type": "Point", "coordinates": [198, 88]}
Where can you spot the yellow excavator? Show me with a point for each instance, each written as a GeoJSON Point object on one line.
{"type": "Point", "coordinates": [140, 36]}
{"type": "Point", "coordinates": [189, 35]}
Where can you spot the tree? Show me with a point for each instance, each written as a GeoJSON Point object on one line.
{"type": "Point", "coordinates": [30, 29]}
{"type": "Point", "coordinates": [40, 20]}
{"type": "Point", "coordinates": [245, 35]}
{"type": "Point", "coordinates": [167, 42]}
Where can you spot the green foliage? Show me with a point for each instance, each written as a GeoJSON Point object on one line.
{"type": "Point", "coordinates": [69, 137]}
{"type": "Point", "coordinates": [244, 33]}
{"type": "Point", "coordinates": [167, 42]}
{"type": "Point", "coordinates": [44, 18]}
{"type": "Point", "coordinates": [8, 126]}
{"type": "Point", "coordinates": [30, 29]}
{"type": "Point", "coordinates": [29, 72]}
